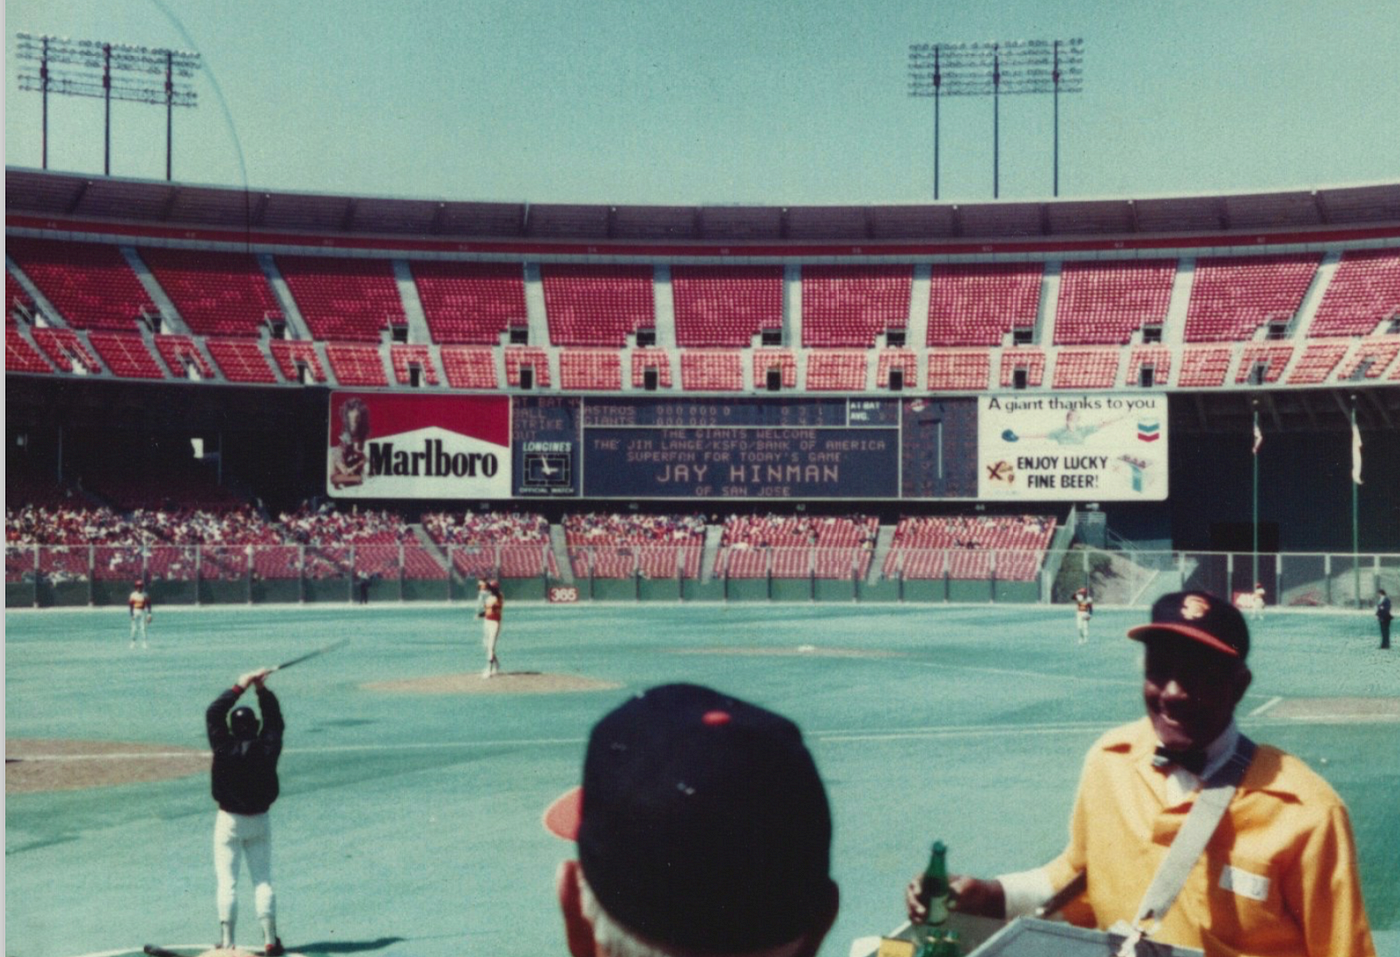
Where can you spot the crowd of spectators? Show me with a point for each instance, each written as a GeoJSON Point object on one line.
{"type": "Point", "coordinates": [633, 529]}
{"type": "Point", "coordinates": [494, 544]}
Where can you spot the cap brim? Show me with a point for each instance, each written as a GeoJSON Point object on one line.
{"type": "Point", "coordinates": [1143, 632]}
{"type": "Point", "coordinates": [562, 818]}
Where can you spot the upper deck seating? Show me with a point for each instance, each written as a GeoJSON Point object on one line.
{"type": "Point", "coordinates": [836, 371]}
{"type": "Point", "coordinates": [711, 371]}
{"type": "Point", "coordinates": [904, 360]}
{"type": "Point", "coordinates": [126, 354]}
{"type": "Point", "coordinates": [849, 306]}
{"type": "Point", "coordinates": [1032, 361]}
{"type": "Point", "coordinates": [1317, 362]}
{"type": "Point", "coordinates": [216, 293]}
{"type": "Point", "coordinates": [90, 284]}
{"type": "Point", "coordinates": [468, 367]}
{"type": "Point", "coordinates": [1272, 358]}
{"type": "Point", "coordinates": [470, 303]}
{"type": "Point", "coordinates": [356, 364]}
{"type": "Point", "coordinates": [1086, 369]}
{"type": "Point", "coordinates": [20, 356]}
{"type": "Point", "coordinates": [1104, 302]}
{"type": "Point", "coordinates": [1233, 297]}
{"type": "Point", "coordinates": [64, 349]}
{"type": "Point", "coordinates": [1364, 291]}
{"type": "Point", "coordinates": [1158, 358]}
{"type": "Point", "coordinates": [181, 355]}
{"type": "Point", "coordinates": [241, 360]}
{"type": "Point", "coordinates": [1370, 360]}
{"type": "Point", "coordinates": [959, 370]}
{"type": "Point", "coordinates": [533, 358]}
{"type": "Point", "coordinates": [15, 297]}
{"type": "Point", "coordinates": [406, 357]}
{"type": "Point", "coordinates": [623, 546]}
{"type": "Point", "coordinates": [590, 370]}
{"type": "Point", "coordinates": [1011, 547]}
{"type": "Point", "coordinates": [725, 306]}
{"type": "Point", "coordinates": [293, 357]}
{"type": "Point", "coordinates": [1204, 367]}
{"type": "Point", "coordinates": [977, 304]}
{"type": "Point", "coordinates": [597, 305]}
{"type": "Point", "coordinates": [344, 298]}
{"type": "Point", "coordinates": [651, 358]}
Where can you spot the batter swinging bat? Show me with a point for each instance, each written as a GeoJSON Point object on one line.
{"type": "Point", "coordinates": [310, 654]}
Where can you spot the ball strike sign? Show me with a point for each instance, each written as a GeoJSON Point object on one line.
{"type": "Point", "coordinates": [410, 446]}
{"type": "Point", "coordinates": [1072, 448]}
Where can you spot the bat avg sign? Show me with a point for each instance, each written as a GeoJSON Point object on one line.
{"type": "Point", "coordinates": [1072, 447]}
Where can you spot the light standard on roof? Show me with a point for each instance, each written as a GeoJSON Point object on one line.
{"type": "Point", "coordinates": [995, 69]}
{"type": "Point", "coordinates": [119, 71]}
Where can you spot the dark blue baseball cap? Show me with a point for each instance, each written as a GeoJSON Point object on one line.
{"type": "Point", "coordinates": [701, 822]}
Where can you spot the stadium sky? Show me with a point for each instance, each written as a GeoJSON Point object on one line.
{"type": "Point", "coordinates": [726, 101]}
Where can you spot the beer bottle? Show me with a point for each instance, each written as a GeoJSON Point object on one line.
{"type": "Point", "coordinates": [936, 890]}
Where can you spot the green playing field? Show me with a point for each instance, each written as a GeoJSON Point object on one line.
{"type": "Point", "coordinates": [412, 789]}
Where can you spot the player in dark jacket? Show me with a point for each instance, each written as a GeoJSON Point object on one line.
{"type": "Point", "coordinates": [244, 785]}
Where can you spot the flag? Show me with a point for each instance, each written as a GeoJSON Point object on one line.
{"type": "Point", "coordinates": [1355, 453]}
{"type": "Point", "coordinates": [1258, 438]}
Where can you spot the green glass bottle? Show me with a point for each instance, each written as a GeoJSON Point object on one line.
{"type": "Point", "coordinates": [936, 890]}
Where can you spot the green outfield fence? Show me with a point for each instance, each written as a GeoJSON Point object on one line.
{"type": "Point", "coordinates": [101, 575]}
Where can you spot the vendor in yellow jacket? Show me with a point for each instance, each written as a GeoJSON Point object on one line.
{"type": "Point", "coordinates": [1278, 875]}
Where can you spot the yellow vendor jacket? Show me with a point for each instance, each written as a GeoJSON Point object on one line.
{"type": "Point", "coordinates": [1277, 878]}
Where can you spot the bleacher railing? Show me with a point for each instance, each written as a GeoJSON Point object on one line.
{"type": "Point", "coordinates": [68, 575]}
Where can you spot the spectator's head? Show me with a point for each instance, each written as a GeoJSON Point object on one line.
{"type": "Point", "coordinates": [702, 827]}
{"type": "Point", "coordinates": [1194, 674]}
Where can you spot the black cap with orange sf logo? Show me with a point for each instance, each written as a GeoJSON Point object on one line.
{"type": "Point", "coordinates": [1200, 616]}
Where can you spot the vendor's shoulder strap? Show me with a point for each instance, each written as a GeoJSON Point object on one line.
{"type": "Point", "coordinates": [1195, 833]}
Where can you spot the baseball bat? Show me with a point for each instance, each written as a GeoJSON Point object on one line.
{"type": "Point", "coordinates": [311, 654]}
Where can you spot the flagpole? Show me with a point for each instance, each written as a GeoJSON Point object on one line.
{"type": "Point", "coordinates": [1255, 458]}
{"type": "Point", "coordinates": [1355, 525]}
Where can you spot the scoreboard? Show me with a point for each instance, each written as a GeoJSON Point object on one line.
{"type": "Point", "coordinates": [748, 447]}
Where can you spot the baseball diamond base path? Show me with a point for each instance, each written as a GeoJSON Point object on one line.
{"type": "Point", "coordinates": [504, 682]}
{"type": "Point", "coordinates": [42, 764]}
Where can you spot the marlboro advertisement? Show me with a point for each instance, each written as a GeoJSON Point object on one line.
{"type": "Point", "coordinates": [1069, 447]}
{"type": "Point", "coordinates": [412, 446]}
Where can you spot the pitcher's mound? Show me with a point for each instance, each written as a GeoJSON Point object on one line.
{"type": "Point", "coordinates": [505, 682]}
{"type": "Point", "coordinates": [36, 764]}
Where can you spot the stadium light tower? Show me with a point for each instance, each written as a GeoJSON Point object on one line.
{"type": "Point", "coordinates": [87, 68]}
{"type": "Point", "coordinates": [1009, 67]}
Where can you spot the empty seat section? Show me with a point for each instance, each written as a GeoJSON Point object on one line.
{"type": "Point", "coordinates": [90, 284]}
{"type": "Point", "coordinates": [836, 371]}
{"type": "Point", "coordinates": [1203, 367]}
{"type": "Point", "coordinates": [126, 354]}
{"type": "Point", "coordinates": [342, 298]}
{"type": "Point", "coordinates": [766, 360]}
{"type": "Point", "coordinates": [20, 356]}
{"type": "Point", "coordinates": [66, 350]}
{"type": "Point", "coordinates": [977, 304]}
{"type": "Point", "coordinates": [1233, 297]}
{"type": "Point", "coordinates": [407, 357]}
{"type": "Point", "coordinates": [849, 306]}
{"type": "Point", "coordinates": [1370, 361]}
{"type": "Point", "coordinates": [294, 358]}
{"type": "Point", "coordinates": [903, 360]}
{"type": "Point", "coordinates": [1104, 303]}
{"type": "Point", "coordinates": [711, 371]}
{"type": "Point", "coordinates": [1317, 362]}
{"type": "Point", "coordinates": [356, 364]}
{"type": "Point", "coordinates": [725, 306]}
{"type": "Point", "coordinates": [1029, 361]}
{"type": "Point", "coordinates": [181, 354]}
{"type": "Point", "coordinates": [1271, 359]}
{"type": "Point", "coordinates": [534, 358]}
{"type": "Point", "coordinates": [241, 360]}
{"type": "Point", "coordinates": [1364, 291]}
{"type": "Point", "coordinates": [597, 305]}
{"type": "Point", "coordinates": [644, 359]}
{"type": "Point", "coordinates": [216, 293]}
{"type": "Point", "coordinates": [590, 369]}
{"type": "Point", "coordinates": [469, 368]}
{"type": "Point", "coordinates": [470, 303]}
{"type": "Point", "coordinates": [959, 370]}
{"type": "Point", "coordinates": [1085, 369]}
{"type": "Point", "coordinates": [1157, 358]}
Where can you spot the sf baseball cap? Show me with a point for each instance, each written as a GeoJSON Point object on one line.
{"type": "Point", "coordinates": [701, 821]}
{"type": "Point", "coordinates": [1200, 616]}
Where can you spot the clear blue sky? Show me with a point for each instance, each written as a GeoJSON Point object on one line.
{"type": "Point", "coordinates": [727, 101]}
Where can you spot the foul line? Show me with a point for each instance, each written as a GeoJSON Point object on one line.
{"type": "Point", "coordinates": [1264, 707]}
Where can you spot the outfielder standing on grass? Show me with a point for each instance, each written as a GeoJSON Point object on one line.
{"type": "Point", "coordinates": [1083, 611]}
{"type": "Point", "coordinates": [244, 784]}
{"type": "Point", "coordinates": [140, 606]}
{"type": "Point", "coordinates": [489, 605]}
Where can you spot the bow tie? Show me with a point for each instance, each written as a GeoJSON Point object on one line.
{"type": "Point", "coordinates": [1193, 761]}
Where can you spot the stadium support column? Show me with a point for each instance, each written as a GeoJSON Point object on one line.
{"type": "Point", "coordinates": [1254, 571]}
{"type": "Point", "coordinates": [996, 125]}
{"type": "Point", "coordinates": [1355, 524]}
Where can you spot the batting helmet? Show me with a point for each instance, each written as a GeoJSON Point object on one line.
{"type": "Point", "coordinates": [243, 722]}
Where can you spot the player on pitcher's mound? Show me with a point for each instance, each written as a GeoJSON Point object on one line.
{"type": "Point", "coordinates": [244, 784]}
